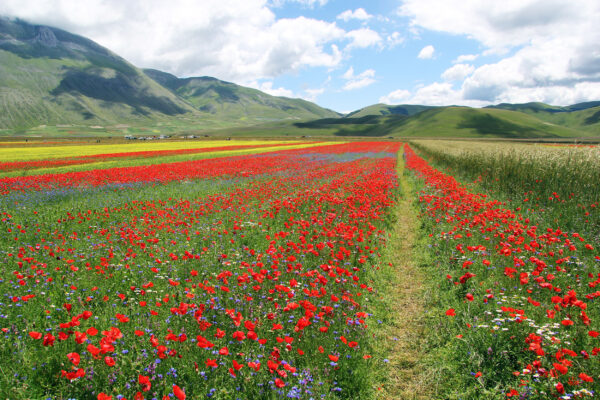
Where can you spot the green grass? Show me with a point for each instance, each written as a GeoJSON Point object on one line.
{"type": "Point", "coordinates": [561, 182]}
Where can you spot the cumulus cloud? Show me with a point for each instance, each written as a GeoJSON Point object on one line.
{"type": "Point", "coordinates": [239, 41]}
{"type": "Point", "coordinates": [426, 52]}
{"type": "Point", "coordinates": [359, 14]}
{"type": "Point", "coordinates": [434, 94]}
{"type": "Point", "coordinates": [396, 97]}
{"type": "Point", "coordinates": [306, 3]}
{"type": "Point", "coordinates": [548, 49]}
{"type": "Point", "coordinates": [458, 72]}
{"type": "Point", "coordinates": [362, 38]}
{"type": "Point", "coordinates": [465, 57]}
{"type": "Point", "coordinates": [268, 88]}
{"type": "Point", "coordinates": [312, 94]}
{"type": "Point", "coordinates": [361, 80]}
{"type": "Point", "coordinates": [394, 39]}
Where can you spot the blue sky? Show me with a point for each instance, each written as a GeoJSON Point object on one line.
{"type": "Point", "coordinates": [348, 54]}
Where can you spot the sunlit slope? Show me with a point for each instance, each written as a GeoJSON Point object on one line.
{"type": "Point", "coordinates": [385, 109]}
{"type": "Point", "coordinates": [235, 103]}
{"type": "Point", "coordinates": [581, 116]}
{"type": "Point", "coordinates": [49, 76]}
{"type": "Point", "coordinates": [442, 122]}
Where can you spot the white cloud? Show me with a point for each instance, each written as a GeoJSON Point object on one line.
{"type": "Point", "coordinates": [306, 3]}
{"type": "Point", "coordinates": [359, 14]}
{"type": "Point", "coordinates": [426, 52]}
{"type": "Point", "coordinates": [458, 72]}
{"type": "Point", "coordinates": [543, 70]}
{"type": "Point", "coordinates": [548, 49]}
{"type": "Point", "coordinates": [498, 24]}
{"type": "Point", "coordinates": [434, 94]}
{"type": "Point", "coordinates": [362, 38]}
{"type": "Point", "coordinates": [312, 94]}
{"type": "Point", "coordinates": [465, 57]}
{"type": "Point", "coordinates": [268, 88]}
{"type": "Point", "coordinates": [361, 80]}
{"type": "Point", "coordinates": [396, 97]}
{"type": "Point", "coordinates": [234, 40]}
{"type": "Point", "coordinates": [394, 39]}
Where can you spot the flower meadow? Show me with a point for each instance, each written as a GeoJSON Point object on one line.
{"type": "Point", "coordinates": [53, 158]}
{"type": "Point", "coordinates": [231, 277]}
{"type": "Point", "coordinates": [95, 158]}
{"type": "Point", "coordinates": [519, 294]}
{"type": "Point", "coordinates": [264, 276]}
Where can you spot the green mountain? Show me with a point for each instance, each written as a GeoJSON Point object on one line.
{"type": "Point", "coordinates": [231, 102]}
{"type": "Point", "coordinates": [581, 116]}
{"type": "Point", "coordinates": [447, 122]}
{"type": "Point", "coordinates": [50, 76]}
{"type": "Point", "coordinates": [384, 109]}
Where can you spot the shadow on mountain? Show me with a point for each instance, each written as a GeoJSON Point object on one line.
{"type": "Point", "coordinates": [226, 94]}
{"type": "Point", "coordinates": [368, 126]}
{"type": "Point", "coordinates": [486, 124]}
{"type": "Point", "coordinates": [118, 89]}
{"type": "Point", "coordinates": [593, 119]}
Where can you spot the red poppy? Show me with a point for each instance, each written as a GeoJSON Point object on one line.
{"type": "Point", "coordinates": [74, 358]}
{"type": "Point", "coordinates": [178, 392]}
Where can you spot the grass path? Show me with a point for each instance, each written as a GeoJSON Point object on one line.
{"type": "Point", "coordinates": [403, 335]}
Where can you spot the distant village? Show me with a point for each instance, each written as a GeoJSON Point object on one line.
{"type": "Point", "coordinates": [161, 137]}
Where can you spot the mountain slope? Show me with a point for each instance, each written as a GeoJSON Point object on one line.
{"type": "Point", "coordinates": [449, 122]}
{"type": "Point", "coordinates": [581, 116]}
{"type": "Point", "coordinates": [50, 76]}
{"type": "Point", "coordinates": [384, 109]}
{"type": "Point", "coordinates": [232, 102]}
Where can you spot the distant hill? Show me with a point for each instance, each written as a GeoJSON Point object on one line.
{"type": "Point", "coordinates": [49, 76]}
{"type": "Point", "coordinates": [581, 116]}
{"type": "Point", "coordinates": [384, 109]}
{"type": "Point", "coordinates": [449, 122]}
{"type": "Point", "coordinates": [232, 102]}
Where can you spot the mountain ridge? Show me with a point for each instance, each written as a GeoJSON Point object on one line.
{"type": "Point", "coordinates": [218, 97]}
{"type": "Point", "coordinates": [51, 76]}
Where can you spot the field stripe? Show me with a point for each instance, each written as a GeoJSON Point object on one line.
{"type": "Point", "coordinates": [40, 153]}
{"type": "Point", "coordinates": [132, 162]}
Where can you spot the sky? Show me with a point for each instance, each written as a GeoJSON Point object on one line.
{"type": "Point", "coordinates": [348, 54]}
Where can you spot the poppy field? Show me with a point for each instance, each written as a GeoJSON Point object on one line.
{"type": "Point", "coordinates": [266, 275]}
{"type": "Point", "coordinates": [195, 279]}
{"type": "Point", "coordinates": [51, 158]}
{"type": "Point", "coordinates": [514, 244]}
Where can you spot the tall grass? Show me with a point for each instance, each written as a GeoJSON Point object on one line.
{"type": "Point", "coordinates": [561, 181]}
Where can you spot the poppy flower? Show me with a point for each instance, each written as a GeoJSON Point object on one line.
{"type": "Point", "coordinates": [35, 335]}
{"type": "Point", "coordinates": [178, 393]}
{"type": "Point", "coordinates": [74, 358]}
